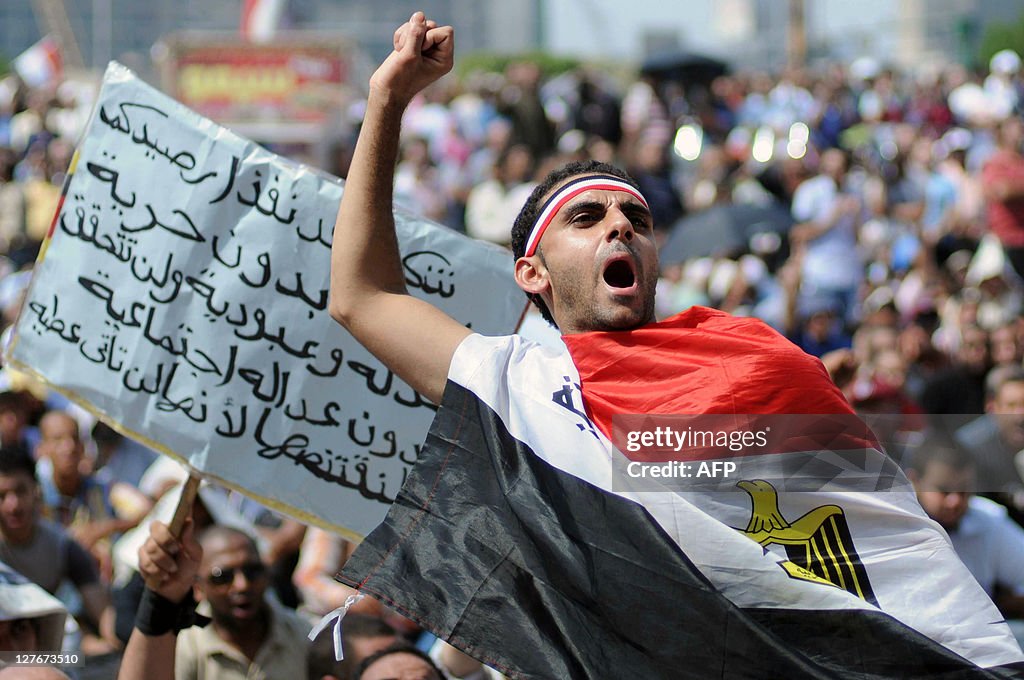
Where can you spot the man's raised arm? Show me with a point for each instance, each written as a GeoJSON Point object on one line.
{"type": "Point", "coordinates": [368, 295]}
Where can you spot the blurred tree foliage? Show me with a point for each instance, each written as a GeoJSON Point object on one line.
{"type": "Point", "coordinates": [490, 62]}
{"type": "Point", "coordinates": [1001, 35]}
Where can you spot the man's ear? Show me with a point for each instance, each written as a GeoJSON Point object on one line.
{"type": "Point", "coordinates": [531, 275]}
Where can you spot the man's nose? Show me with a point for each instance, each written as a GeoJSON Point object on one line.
{"type": "Point", "coordinates": [955, 498]}
{"type": "Point", "coordinates": [241, 581]}
{"type": "Point", "coordinates": [619, 225]}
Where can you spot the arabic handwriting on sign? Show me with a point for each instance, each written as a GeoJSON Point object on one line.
{"type": "Point", "coordinates": [389, 437]}
{"type": "Point", "coordinates": [430, 272]}
{"type": "Point", "coordinates": [276, 339]}
{"type": "Point", "coordinates": [177, 344]}
{"type": "Point", "coordinates": [278, 389]}
{"type": "Point", "coordinates": [122, 122]}
{"type": "Point", "coordinates": [88, 231]}
{"type": "Point", "coordinates": [175, 277]}
{"type": "Point", "coordinates": [318, 237]}
{"type": "Point", "coordinates": [104, 354]}
{"type": "Point", "coordinates": [417, 450]}
{"type": "Point", "coordinates": [337, 356]}
{"type": "Point", "coordinates": [85, 227]}
{"type": "Point", "coordinates": [187, 230]}
{"type": "Point", "coordinates": [235, 161]}
{"type": "Point", "coordinates": [207, 291]}
{"type": "Point", "coordinates": [372, 429]}
{"type": "Point", "coordinates": [49, 321]}
{"type": "Point", "coordinates": [263, 259]}
{"type": "Point", "coordinates": [187, 405]}
{"type": "Point", "coordinates": [368, 373]}
{"type": "Point", "coordinates": [127, 316]}
{"type": "Point", "coordinates": [229, 372]}
{"type": "Point", "coordinates": [217, 256]}
{"type": "Point", "coordinates": [321, 465]}
{"type": "Point", "coordinates": [327, 421]}
{"type": "Point", "coordinates": [232, 429]}
{"type": "Point", "coordinates": [266, 203]}
{"type": "Point", "coordinates": [111, 177]}
{"type": "Point", "coordinates": [139, 382]}
{"type": "Point", "coordinates": [320, 304]}
{"type": "Point", "coordinates": [415, 401]}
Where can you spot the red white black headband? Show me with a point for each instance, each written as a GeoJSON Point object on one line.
{"type": "Point", "coordinates": [569, 191]}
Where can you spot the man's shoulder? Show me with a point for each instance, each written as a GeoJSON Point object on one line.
{"type": "Point", "coordinates": [1002, 160]}
{"type": "Point", "coordinates": [501, 353]}
{"type": "Point", "coordinates": [714, 321]}
{"type": "Point", "coordinates": [814, 186]}
{"type": "Point", "coordinates": [987, 510]}
{"type": "Point", "coordinates": [50, 533]}
{"type": "Point", "coordinates": [980, 432]}
{"type": "Point", "coordinates": [289, 622]}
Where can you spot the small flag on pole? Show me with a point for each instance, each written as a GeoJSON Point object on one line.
{"type": "Point", "coordinates": [40, 64]}
{"type": "Point", "coordinates": [261, 19]}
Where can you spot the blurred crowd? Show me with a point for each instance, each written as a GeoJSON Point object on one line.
{"type": "Point", "coordinates": [892, 247]}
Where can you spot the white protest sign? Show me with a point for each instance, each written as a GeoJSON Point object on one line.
{"type": "Point", "coordinates": [22, 599]}
{"type": "Point", "coordinates": [182, 296]}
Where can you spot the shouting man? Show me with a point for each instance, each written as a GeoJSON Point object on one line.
{"type": "Point", "coordinates": [514, 539]}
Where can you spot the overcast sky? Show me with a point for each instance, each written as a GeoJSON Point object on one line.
{"type": "Point", "coordinates": [615, 28]}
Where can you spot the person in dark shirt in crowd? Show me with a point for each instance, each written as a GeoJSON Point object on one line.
{"type": "Point", "coordinates": [960, 388]}
{"type": "Point", "coordinates": [78, 501]}
{"type": "Point", "coordinates": [44, 553]}
{"type": "Point", "coordinates": [995, 440]}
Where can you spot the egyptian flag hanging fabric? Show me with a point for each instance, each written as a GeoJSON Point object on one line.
{"type": "Point", "coordinates": [521, 538]}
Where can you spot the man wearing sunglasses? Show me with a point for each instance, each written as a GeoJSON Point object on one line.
{"type": "Point", "coordinates": [245, 630]}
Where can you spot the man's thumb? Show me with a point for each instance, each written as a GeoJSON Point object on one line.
{"type": "Point", "coordinates": [413, 44]}
{"type": "Point", "coordinates": [188, 540]}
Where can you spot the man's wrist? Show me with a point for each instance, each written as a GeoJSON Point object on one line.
{"type": "Point", "coordinates": [386, 101]}
{"type": "Point", "coordinates": [157, 615]}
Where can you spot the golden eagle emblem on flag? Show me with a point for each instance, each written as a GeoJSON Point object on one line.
{"type": "Point", "coordinates": [819, 544]}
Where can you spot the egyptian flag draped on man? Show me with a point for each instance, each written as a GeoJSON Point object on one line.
{"type": "Point", "coordinates": [515, 539]}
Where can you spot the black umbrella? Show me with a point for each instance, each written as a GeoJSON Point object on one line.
{"type": "Point", "coordinates": [685, 67]}
{"type": "Point", "coordinates": [723, 230]}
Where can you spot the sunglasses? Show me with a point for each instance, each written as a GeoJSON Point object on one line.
{"type": "Point", "coordinates": [222, 577]}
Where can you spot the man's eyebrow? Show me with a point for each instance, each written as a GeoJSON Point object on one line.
{"type": "Point", "coordinates": [630, 206]}
{"type": "Point", "coordinates": [570, 211]}
{"type": "Point", "coordinates": [633, 208]}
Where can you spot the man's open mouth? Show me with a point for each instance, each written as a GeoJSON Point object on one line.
{"type": "Point", "coordinates": [619, 273]}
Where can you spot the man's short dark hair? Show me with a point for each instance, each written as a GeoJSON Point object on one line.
{"type": "Point", "coordinates": [222, 532]}
{"type": "Point", "coordinates": [397, 648]}
{"type": "Point", "coordinates": [11, 400]}
{"type": "Point", "coordinates": [1001, 376]}
{"type": "Point", "coordinates": [939, 447]}
{"type": "Point", "coordinates": [366, 626]}
{"type": "Point", "coordinates": [531, 210]}
{"type": "Point", "coordinates": [15, 458]}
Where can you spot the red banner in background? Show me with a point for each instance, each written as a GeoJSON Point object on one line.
{"type": "Point", "coordinates": [237, 83]}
